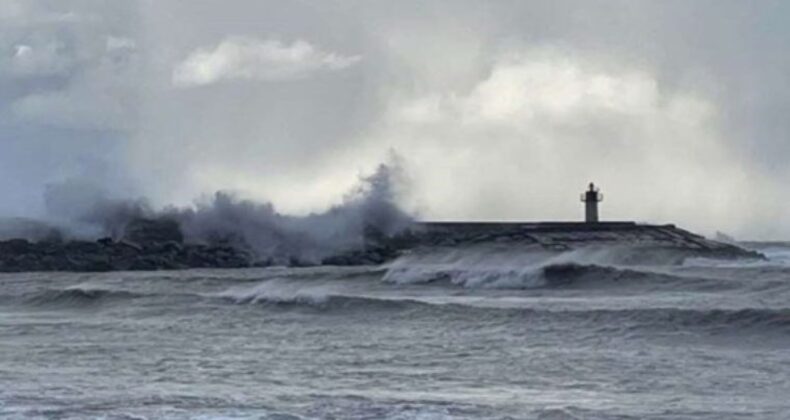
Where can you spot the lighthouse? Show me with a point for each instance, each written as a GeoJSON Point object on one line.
{"type": "Point", "coordinates": [591, 198]}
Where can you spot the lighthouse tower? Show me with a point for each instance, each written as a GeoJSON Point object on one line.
{"type": "Point", "coordinates": [591, 198]}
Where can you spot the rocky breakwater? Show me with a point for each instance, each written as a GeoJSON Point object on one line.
{"type": "Point", "coordinates": [635, 243]}
{"type": "Point", "coordinates": [159, 244]}
{"type": "Point", "coordinates": [145, 245]}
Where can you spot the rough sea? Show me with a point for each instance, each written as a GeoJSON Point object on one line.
{"type": "Point", "coordinates": [454, 334]}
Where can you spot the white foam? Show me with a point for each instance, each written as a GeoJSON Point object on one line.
{"type": "Point", "coordinates": [279, 290]}
{"type": "Point", "coordinates": [776, 257]}
{"type": "Point", "coordinates": [490, 267]}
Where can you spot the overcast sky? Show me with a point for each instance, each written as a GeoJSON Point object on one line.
{"type": "Point", "coordinates": [497, 109]}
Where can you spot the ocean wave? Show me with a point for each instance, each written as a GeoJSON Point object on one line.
{"type": "Point", "coordinates": [90, 294]}
{"type": "Point", "coordinates": [275, 291]}
{"type": "Point", "coordinates": [553, 276]}
{"type": "Point", "coordinates": [492, 267]}
{"type": "Point", "coordinates": [514, 267]}
{"type": "Point", "coordinates": [285, 294]}
{"type": "Point", "coordinates": [712, 318]}
{"type": "Point", "coordinates": [670, 319]}
{"type": "Point", "coordinates": [596, 319]}
{"type": "Point", "coordinates": [78, 296]}
{"type": "Point", "coordinates": [281, 294]}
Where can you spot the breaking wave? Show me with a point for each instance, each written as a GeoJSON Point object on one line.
{"type": "Point", "coordinates": [76, 296]}
{"type": "Point", "coordinates": [281, 294]}
{"type": "Point", "coordinates": [88, 295]}
{"type": "Point", "coordinates": [275, 292]}
{"type": "Point", "coordinates": [530, 268]}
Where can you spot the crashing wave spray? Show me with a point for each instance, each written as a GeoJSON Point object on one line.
{"type": "Point", "coordinates": [369, 210]}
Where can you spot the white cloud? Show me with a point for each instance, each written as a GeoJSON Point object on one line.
{"type": "Point", "coordinates": [548, 85]}
{"type": "Point", "coordinates": [540, 125]}
{"type": "Point", "coordinates": [254, 59]}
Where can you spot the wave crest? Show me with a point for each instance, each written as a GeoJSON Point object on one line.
{"type": "Point", "coordinates": [528, 268]}
{"type": "Point", "coordinates": [282, 293]}
{"type": "Point", "coordinates": [79, 296]}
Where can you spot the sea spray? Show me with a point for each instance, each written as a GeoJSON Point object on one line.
{"type": "Point", "coordinates": [369, 210]}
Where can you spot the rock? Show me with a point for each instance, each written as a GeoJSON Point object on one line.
{"type": "Point", "coordinates": [159, 244]}
{"type": "Point", "coordinates": [15, 246]}
{"type": "Point", "coordinates": [131, 244]}
{"type": "Point", "coordinates": [262, 263]}
{"type": "Point", "coordinates": [94, 263]}
{"type": "Point", "coordinates": [150, 231]}
{"type": "Point", "coordinates": [172, 246]}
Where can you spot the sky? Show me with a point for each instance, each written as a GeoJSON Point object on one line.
{"type": "Point", "coordinates": [496, 110]}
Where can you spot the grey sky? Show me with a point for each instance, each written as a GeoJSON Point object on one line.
{"type": "Point", "coordinates": [499, 109]}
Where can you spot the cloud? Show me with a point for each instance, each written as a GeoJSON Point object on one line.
{"type": "Point", "coordinates": [41, 60]}
{"type": "Point", "coordinates": [679, 119]}
{"type": "Point", "coordinates": [11, 9]}
{"type": "Point", "coordinates": [545, 121]}
{"type": "Point", "coordinates": [254, 59]}
{"type": "Point", "coordinates": [120, 43]}
{"type": "Point", "coordinates": [105, 110]}
{"type": "Point", "coordinates": [69, 94]}
{"type": "Point", "coordinates": [98, 90]}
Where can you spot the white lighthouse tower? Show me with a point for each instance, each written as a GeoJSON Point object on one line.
{"type": "Point", "coordinates": [591, 198]}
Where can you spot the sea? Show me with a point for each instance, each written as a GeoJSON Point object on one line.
{"type": "Point", "coordinates": [473, 333]}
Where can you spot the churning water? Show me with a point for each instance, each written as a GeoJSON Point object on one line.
{"type": "Point", "coordinates": [443, 335]}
